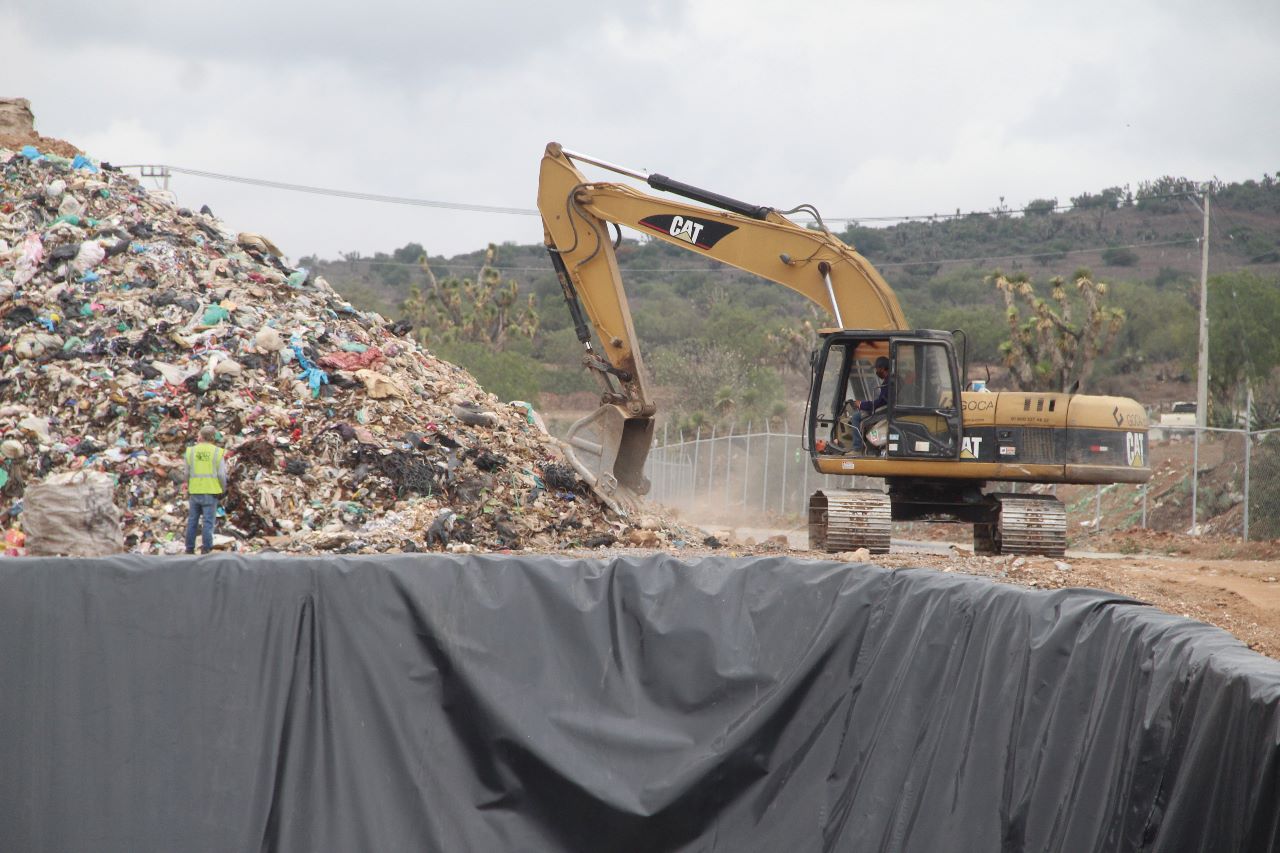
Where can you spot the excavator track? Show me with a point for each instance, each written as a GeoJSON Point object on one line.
{"type": "Point", "coordinates": [849, 519]}
{"type": "Point", "coordinates": [1024, 524]}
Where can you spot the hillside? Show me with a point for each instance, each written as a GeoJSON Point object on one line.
{"type": "Point", "coordinates": [1153, 238]}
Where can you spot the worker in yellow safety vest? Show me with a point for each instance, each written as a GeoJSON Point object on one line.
{"type": "Point", "coordinates": [206, 481]}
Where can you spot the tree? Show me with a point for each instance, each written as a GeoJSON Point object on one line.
{"type": "Point", "coordinates": [1162, 194]}
{"type": "Point", "coordinates": [867, 241]}
{"type": "Point", "coordinates": [1243, 345]}
{"type": "Point", "coordinates": [717, 384]}
{"type": "Point", "coordinates": [792, 345]}
{"type": "Point", "coordinates": [1040, 207]}
{"type": "Point", "coordinates": [1047, 351]}
{"type": "Point", "coordinates": [1158, 327]}
{"type": "Point", "coordinates": [980, 323]}
{"type": "Point", "coordinates": [1108, 199]}
{"type": "Point", "coordinates": [409, 253]}
{"type": "Point", "coordinates": [480, 310]}
{"type": "Point", "coordinates": [1119, 256]}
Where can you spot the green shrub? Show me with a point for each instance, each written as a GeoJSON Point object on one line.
{"type": "Point", "coordinates": [1120, 257]}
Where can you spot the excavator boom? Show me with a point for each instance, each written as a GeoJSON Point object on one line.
{"type": "Point", "coordinates": [609, 446]}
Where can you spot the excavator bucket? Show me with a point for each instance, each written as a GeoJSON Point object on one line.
{"type": "Point", "coordinates": [608, 449]}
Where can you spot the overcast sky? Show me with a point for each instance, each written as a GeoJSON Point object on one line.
{"type": "Point", "coordinates": [862, 109]}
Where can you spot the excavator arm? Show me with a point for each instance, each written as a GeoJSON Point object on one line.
{"type": "Point", "coordinates": [609, 447]}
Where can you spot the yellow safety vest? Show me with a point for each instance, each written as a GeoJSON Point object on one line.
{"type": "Point", "coordinates": [203, 461]}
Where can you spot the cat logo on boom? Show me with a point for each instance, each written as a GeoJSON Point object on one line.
{"type": "Point", "coordinates": [703, 233]}
{"type": "Point", "coordinates": [685, 229]}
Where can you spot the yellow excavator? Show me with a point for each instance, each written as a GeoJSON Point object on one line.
{"type": "Point", "coordinates": [935, 443]}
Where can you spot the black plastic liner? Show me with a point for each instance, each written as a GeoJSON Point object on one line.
{"type": "Point", "coordinates": [512, 703]}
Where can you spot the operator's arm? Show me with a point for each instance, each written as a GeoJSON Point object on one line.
{"type": "Point", "coordinates": [881, 400]}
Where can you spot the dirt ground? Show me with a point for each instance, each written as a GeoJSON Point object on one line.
{"type": "Point", "coordinates": [46, 144]}
{"type": "Point", "coordinates": [1223, 582]}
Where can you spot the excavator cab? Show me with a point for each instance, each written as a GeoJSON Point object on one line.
{"type": "Point", "coordinates": [916, 417]}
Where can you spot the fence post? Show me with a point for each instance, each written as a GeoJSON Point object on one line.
{"type": "Point", "coordinates": [786, 456]}
{"type": "Point", "coordinates": [804, 488]}
{"type": "Point", "coordinates": [728, 463]}
{"type": "Point", "coordinates": [746, 474]}
{"type": "Point", "coordinates": [666, 474]}
{"type": "Point", "coordinates": [1195, 478]}
{"type": "Point", "coordinates": [1146, 487]}
{"type": "Point", "coordinates": [662, 483]}
{"type": "Point", "coordinates": [655, 472]}
{"type": "Point", "coordinates": [679, 484]}
{"type": "Point", "coordinates": [655, 469]}
{"type": "Point", "coordinates": [764, 489]}
{"type": "Point", "coordinates": [693, 481]}
{"type": "Point", "coordinates": [1097, 510]}
{"type": "Point", "coordinates": [1248, 441]}
{"type": "Point", "coordinates": [711, 462]}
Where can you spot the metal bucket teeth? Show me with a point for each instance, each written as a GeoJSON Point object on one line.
{"type": "Point", "coordinates": [849, 519]}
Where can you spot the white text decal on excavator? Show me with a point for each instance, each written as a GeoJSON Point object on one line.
{"type": "Point", "coordinates": [685, 229]}
{"type": "Point", "coordinates": [1133, 453]}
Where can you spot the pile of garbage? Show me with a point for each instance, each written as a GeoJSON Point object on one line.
{"type": "Point", "coordinates": [128, 322]}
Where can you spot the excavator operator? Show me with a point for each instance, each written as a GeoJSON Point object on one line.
{"type": "Point", "coordinates": [846, 433]}
{"type": "Point", "coordinates": [864, 408]}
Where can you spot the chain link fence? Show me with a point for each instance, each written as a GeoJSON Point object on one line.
{"type": "Point", "coordinates": [1223, 482]}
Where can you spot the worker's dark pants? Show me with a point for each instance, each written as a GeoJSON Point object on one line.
{"type": "Point", "coordinates": [858, 417]}
{"type": "Point", "coordinates": [198, 507]}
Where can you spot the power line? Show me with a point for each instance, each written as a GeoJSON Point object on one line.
{"type": "Point", "coordinates": [351, 194]}
{"type": "Point", "coordinates": [523, 211]}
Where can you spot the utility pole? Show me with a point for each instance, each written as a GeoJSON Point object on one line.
{"type": "Point", "coordinates": [1202, 371]}
{"type": "Point", "coordinates": [156, 172]}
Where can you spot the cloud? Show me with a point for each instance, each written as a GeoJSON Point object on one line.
{"type": "Point", "coordinates": [863, 109]}
{"type": "Point", "coordinates": [374, 36]}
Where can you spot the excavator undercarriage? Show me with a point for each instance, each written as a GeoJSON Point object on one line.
{"type": "Point", "coordinates": [1003, 522]}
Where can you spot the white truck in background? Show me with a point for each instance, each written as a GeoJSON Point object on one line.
{"type": "Point", "coordinates": [1175, 423]}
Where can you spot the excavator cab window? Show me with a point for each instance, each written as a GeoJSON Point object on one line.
{"type": "Point", "coordinates": [830, 396]}
{"type": "Point", "coordinates": [924, 414]}
{"type": "Point", "coordinates": [847, 375]}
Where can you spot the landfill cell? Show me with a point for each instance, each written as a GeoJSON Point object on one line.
{"type": "Point", "coordinates": [515, 702]}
